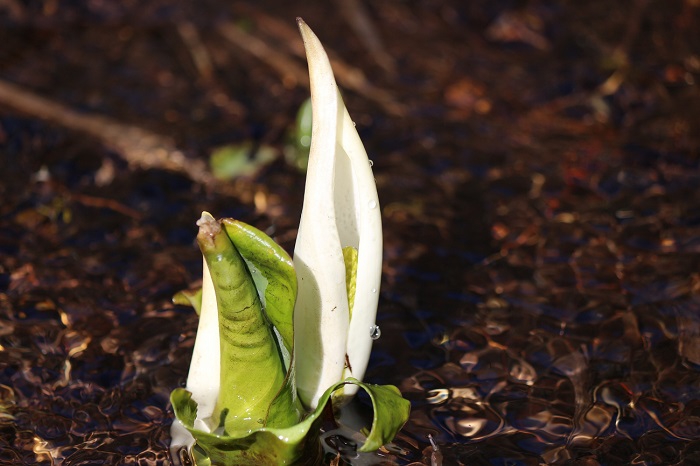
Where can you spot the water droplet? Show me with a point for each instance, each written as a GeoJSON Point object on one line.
{"type": "Point", "coordinates": [372, 204]}
{"type": "Point", "coordinates": [374, 290]}
{"type": "Point", "coordinates": [375, 332]}
{"type": "Point", "coordinates": [371, 164]}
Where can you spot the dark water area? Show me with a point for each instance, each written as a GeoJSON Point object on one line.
{"type": "Point", "coordinates": [538, 166]}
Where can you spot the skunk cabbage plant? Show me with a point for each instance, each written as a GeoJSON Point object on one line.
{"type": "Point", "coordinates": [279, 340]}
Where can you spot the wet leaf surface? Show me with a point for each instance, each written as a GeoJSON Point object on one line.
{"type": "Point", "coordinates": [540, 200]}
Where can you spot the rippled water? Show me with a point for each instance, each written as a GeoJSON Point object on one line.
{"type": "Point", "coordinates": [541, 295]}
{"type": "Point", "coordinates": [578, 339]}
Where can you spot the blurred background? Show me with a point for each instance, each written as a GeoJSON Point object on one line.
{"type": "Point", "coordinates": [537, 162]}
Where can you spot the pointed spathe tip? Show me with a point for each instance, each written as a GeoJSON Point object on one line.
{"type": "Point", "coordinates": [312, 44]}
{"type": "Point", "coordinates": [303, 28]}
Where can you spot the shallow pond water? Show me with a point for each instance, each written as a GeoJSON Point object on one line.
{"type": "Point", "coordinates": [538, 166]}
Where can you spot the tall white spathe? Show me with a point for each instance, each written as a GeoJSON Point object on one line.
{"type": "Point", "coordinates": [340, 209]}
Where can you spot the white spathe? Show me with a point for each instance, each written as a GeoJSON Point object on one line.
{"type": "Point", "coordinates": [340, 209]}
{"type": "Point", "coordinates": [203, 378]}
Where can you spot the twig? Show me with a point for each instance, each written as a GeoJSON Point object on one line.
{"type": "Point", "coordinates": [202, 60]}
{"type": "Point", "coordinates": [356, 14]}
{"type": "Point", "coordinates": [436, 454]}
{"type": "Point", "coordinates": [348, 76]}
{"type": "Point", "coordinates": [139, 147]}
{"type": "Point", "coordinates": [14, 9]}
{"type": "Point", "coordinates": [104, 203]}
{"type": "Point", "coordinates": [621, 52]}
{"type": "Point", "coordinates": [274, 27]}
{"type": "Point", "coordinates": [292, 73]}
{"type": "Point", "coordinates": [200, 56]}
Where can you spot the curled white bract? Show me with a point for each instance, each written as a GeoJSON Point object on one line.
{"type": "Point", "coordinates": [203, 377]}
{"type": "Point", "coordinates": [340, 209]}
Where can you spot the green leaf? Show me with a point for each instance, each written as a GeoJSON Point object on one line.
{"type": "Point", "coordinates": [244, 159]}
{"type": "Point", "coordinates": [189, 298]}
{"type": "Point", "coordinates": [252, 370]}
{"type": "Point", "coordinates": [391, 412]}
{"type": "Point", "coordinates": [273, 273]}
{"type": "Point", "coordinates": [263, 447]}
{"type": "Point", "coordinates": [297, 151]}
{"type": "Point", "coordinates": [291, 445]}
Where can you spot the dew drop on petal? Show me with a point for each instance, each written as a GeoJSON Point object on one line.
{"type": "Point", "coordinates": [372, 204]}
{"type": "Point", "coordinates": [371, 164]}
{"type": "Point", "coordinates": [375, 332]}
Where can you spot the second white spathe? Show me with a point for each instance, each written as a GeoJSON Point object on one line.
{"type": "Point", "coordinates": [340, 209]}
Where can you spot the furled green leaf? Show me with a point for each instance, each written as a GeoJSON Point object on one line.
{"type": "Point", "coordinates": [273, 273]}
{"type": "Point", "coordinates": [297, 444]}
{"type": "Point", "coordinates": [252, 369]}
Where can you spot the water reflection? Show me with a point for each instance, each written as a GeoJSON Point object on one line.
{"type": "Point", "coordinates": [541, 297]}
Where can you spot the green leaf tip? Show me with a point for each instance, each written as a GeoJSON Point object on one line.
{"type": "Point", "coordinates": [189, 298]}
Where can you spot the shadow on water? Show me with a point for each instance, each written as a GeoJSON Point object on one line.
{"type": "Point", "coordinates": [540, 302]}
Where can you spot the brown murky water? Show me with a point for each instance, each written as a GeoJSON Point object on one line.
{"type": "Point", "coordinates": [538, 165]}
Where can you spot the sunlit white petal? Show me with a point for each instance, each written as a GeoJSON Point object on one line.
{"type": "Point", "coordinates": [340, 209]}
{"type": "Point", "coordinates": [203, 379]}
